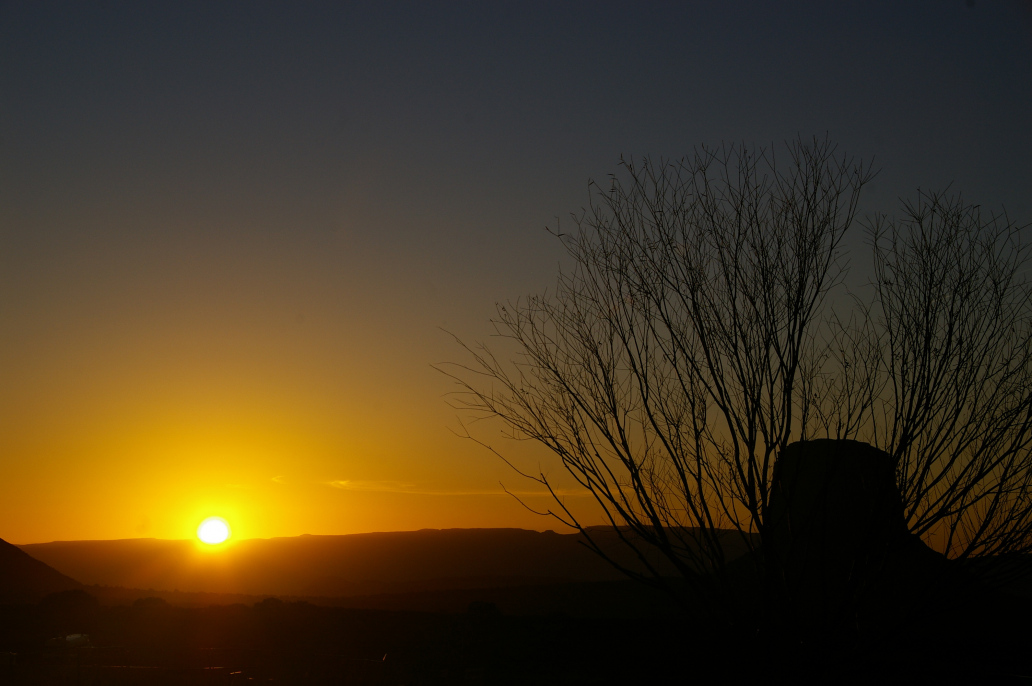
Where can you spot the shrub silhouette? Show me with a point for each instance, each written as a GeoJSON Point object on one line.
{"type": "Point", "coordinates": [68, 612]}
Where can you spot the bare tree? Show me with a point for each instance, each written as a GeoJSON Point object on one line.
{"type": "Point", "coordinates": [668, 369]}
{"type": "Point", "coordinates": [941, 374]}
{"type": "Point", "coordinates": [694, 339]}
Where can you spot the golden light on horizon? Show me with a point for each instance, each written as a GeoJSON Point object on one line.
{"type": "Point", "coordinates": [213, 530]}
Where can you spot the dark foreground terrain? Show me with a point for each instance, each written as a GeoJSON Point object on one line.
{"type": "Point", "coordinates": [271, 641]}
{"type": "Point", "coordinates": [431, 625]}
{"type": "Point", "coordinates": [152, 642]}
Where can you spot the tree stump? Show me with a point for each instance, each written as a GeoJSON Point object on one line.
{"type": "Point", "coordinates": [835, 541]}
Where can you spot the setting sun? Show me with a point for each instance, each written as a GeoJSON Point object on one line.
{"type": "Point", "coordinates": [213, 530]}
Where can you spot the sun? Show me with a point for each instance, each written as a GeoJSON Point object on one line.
{"type": "Point", "coordinates": [213, 530]}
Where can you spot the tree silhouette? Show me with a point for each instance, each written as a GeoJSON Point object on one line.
{"type": "Point", "coordinates": [702, 330]}
{"type": "Point", "coordinates": [941, 372]}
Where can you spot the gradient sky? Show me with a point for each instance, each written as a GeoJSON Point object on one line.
{"type": "Point", "coordinates": [232, 233]}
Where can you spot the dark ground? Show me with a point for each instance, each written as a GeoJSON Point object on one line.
{"type": "Point", "coordinates": [150, 641]}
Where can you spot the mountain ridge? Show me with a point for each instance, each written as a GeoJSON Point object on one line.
{"type": "Point", "coordinates": [26, 579]}
{"type": "Point", "coordinates": [333, 566]}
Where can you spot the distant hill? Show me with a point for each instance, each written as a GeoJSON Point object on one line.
{"type": "Point", "coordinates": [24, 579]}
{"type": "Point", "coordinates": [576, 599]}
{"type": "Point", "coordinates": [338, 566]}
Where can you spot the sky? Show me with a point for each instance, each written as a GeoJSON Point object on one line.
{"type": "Point", "coordinates": [236, 237]}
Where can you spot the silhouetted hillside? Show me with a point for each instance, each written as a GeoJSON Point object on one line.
{"type": "Point", "coordinates": [353, 565]}
{"type": "Point", "coordinates": [149, 641]}
{"type": "Point", "coordinates": [24, 579]}
{"type": "Point", "coordinates": [576, 599]}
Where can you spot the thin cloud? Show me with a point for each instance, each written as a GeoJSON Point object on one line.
{"type": "Point", "coordinates": [378, 486]}
{"type": "Point", "coordinates": [278, 479]}
{"type": "Point", "coordinates": [412, 489]}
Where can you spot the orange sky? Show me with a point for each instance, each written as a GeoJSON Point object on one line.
{"type": "Point", "coordinates": [230, 237]}
{"type": "Point", "coordinates": [154, 388]}
{"type": "Point", "coordinates": [275, 428]}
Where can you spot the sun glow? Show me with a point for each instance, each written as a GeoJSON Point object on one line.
{"type": "Point", "coordinates": [213, 530]}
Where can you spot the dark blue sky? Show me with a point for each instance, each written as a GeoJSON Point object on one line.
{"type": "Point", "coordinates": [281, 203]}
